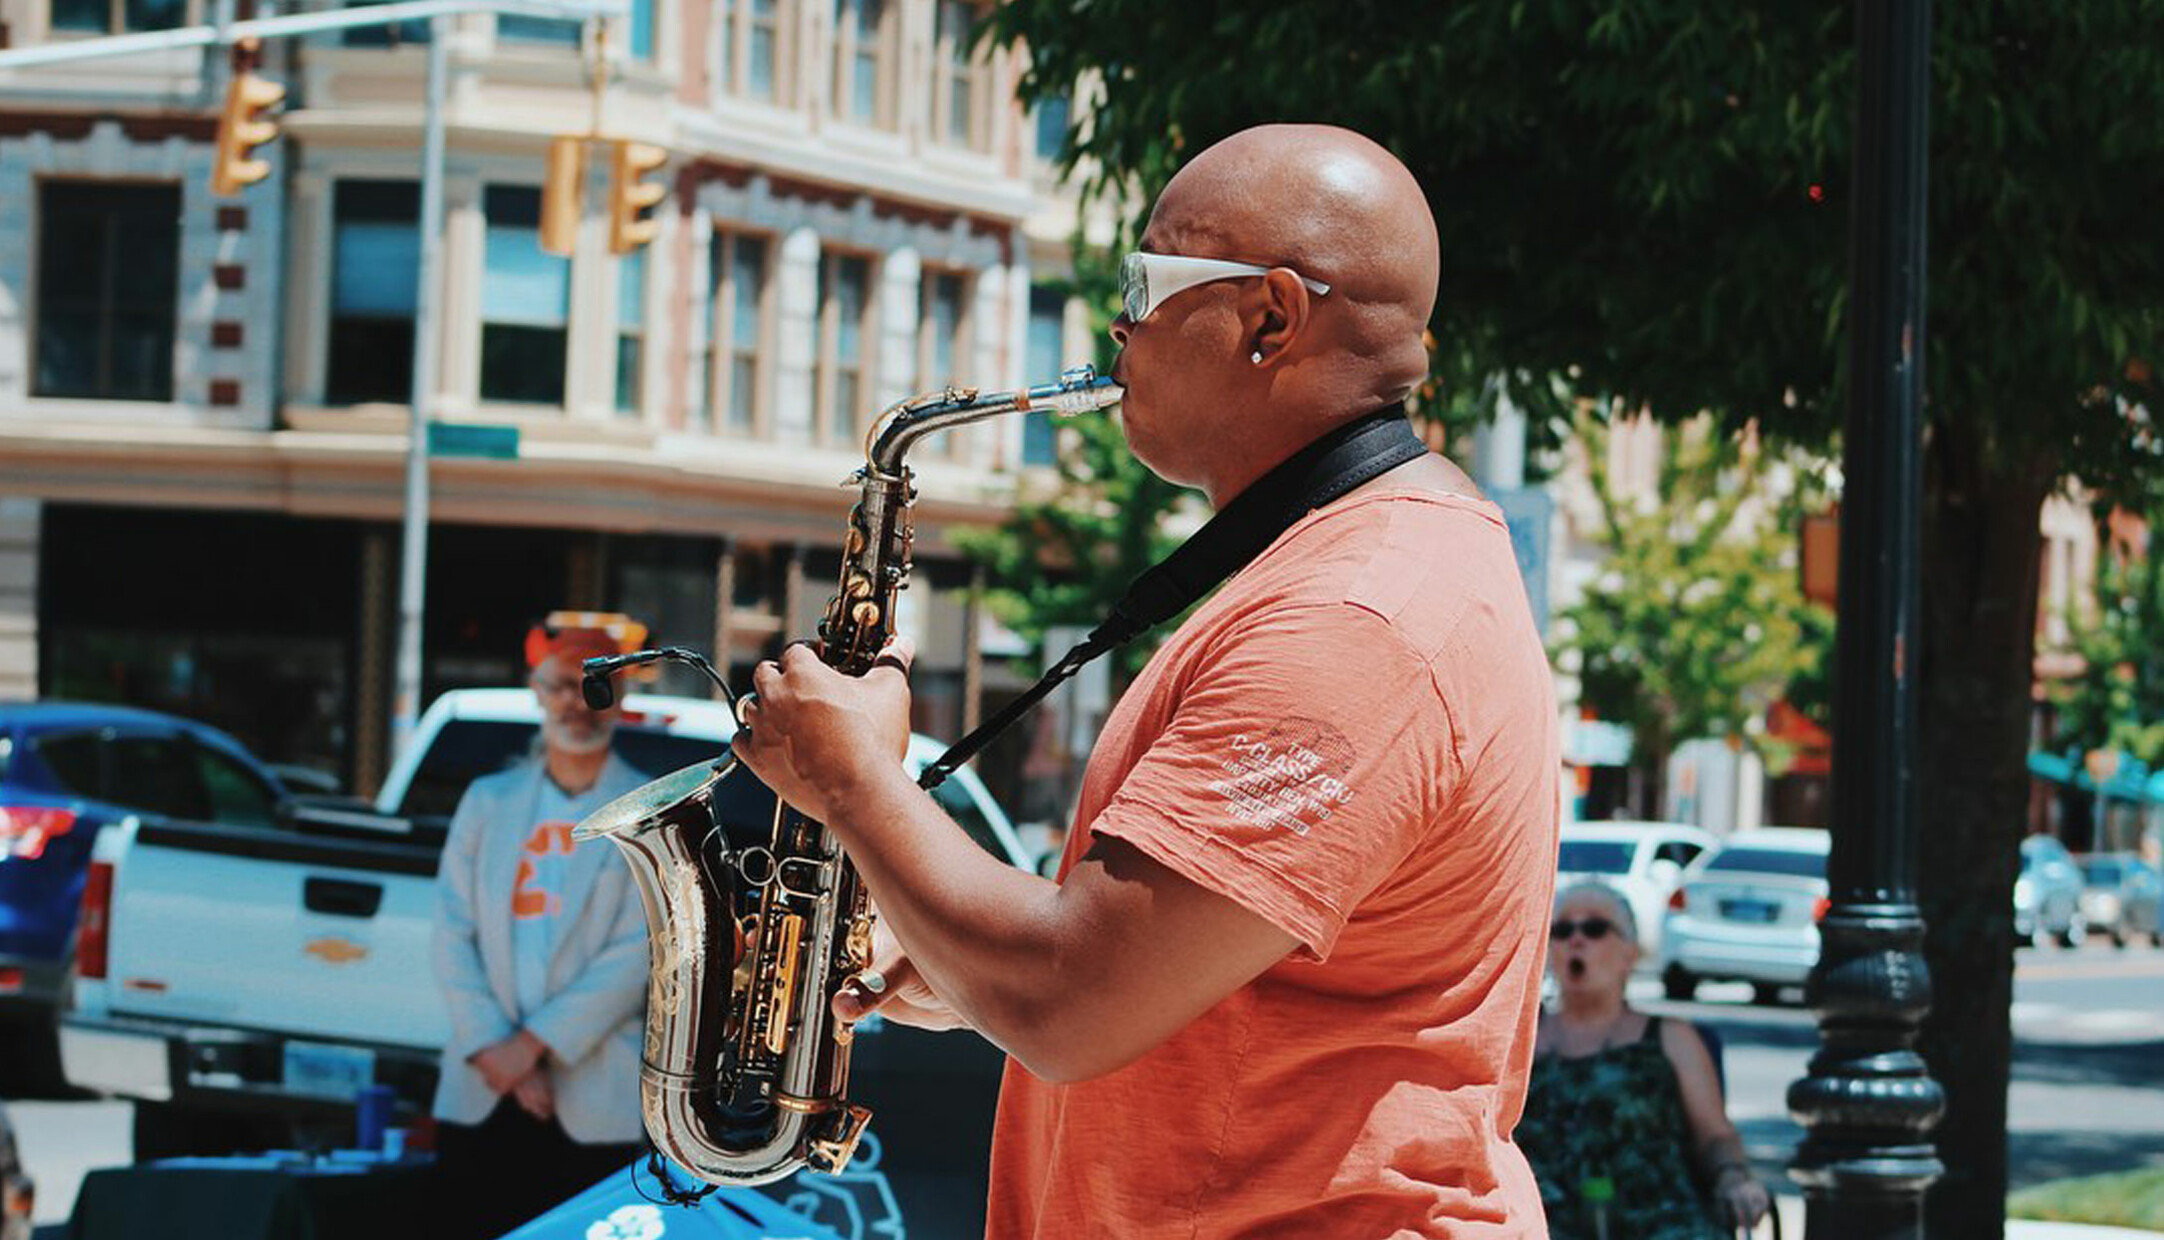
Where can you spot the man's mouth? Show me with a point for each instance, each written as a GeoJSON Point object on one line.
{"type": "Point", "coordinates": [1576, 967]}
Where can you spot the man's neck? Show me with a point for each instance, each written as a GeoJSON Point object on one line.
{"type": "Point", "coordinates": [574, 773]}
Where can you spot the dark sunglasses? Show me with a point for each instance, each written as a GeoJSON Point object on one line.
{"type": "Point", "coordinates": [1595, 928]}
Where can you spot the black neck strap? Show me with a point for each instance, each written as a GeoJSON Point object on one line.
{"type": "Point", "coordinates": [1357, 452]}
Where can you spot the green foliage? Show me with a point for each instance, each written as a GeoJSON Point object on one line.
{"type": "Point", "coordinates": [2128, 1199]}
{"type": "Point", "coordinates": [2117, 702]}
{"type": "Point", "coordinates": [1696, 623]}
{"type": "Point", "coordinates": [1066, 555]}
{"type": "Point", "coordinates": [1651, 199]}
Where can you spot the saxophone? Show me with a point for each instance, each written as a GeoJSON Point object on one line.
{"type": "Point", "coordinates": [746, 1071]}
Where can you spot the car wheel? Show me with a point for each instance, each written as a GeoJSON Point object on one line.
{"type": "Point", "coordinates": [2119, 937]}
{"type": "Point", "coordinates": [1679, 984]}
{"type": "Point", "coordinates": [2076, 930]}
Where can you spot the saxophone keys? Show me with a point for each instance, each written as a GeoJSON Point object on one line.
{"type": "Point", "coordinates": [832, 1153]}
{"type": "Point", "coordinates": [858, 945]}
{"type": "Point", "coordinates": [866, 614]}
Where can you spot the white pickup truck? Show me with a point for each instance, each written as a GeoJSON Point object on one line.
{"type": "Point", "coordinates": [226, 972]}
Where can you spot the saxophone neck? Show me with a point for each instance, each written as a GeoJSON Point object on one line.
{"type": "Point", "coordinates": [1079, 390]}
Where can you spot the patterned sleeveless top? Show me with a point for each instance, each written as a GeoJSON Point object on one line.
{"type": "Point", "coordinates": [1618, 1114]}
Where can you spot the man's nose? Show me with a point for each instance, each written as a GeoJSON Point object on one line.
{"type": "Point", "coordinates": [1122, 327]}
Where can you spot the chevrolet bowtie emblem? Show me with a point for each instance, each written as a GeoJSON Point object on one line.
{"type": "Point", "coordinates": [335, 950]}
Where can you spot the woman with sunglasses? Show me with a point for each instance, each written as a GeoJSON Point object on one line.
{"type": "Point", "coordinates": [1624, 1121]}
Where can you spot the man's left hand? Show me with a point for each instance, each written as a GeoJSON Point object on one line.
{"type": "Point", "coordinates": [813, 733]}
{"type": "Point", "coordinates": [535, 1095]}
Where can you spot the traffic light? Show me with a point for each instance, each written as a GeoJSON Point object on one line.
{"type": "Point", "coordinates": [630, 194]}
{"type": "Point", "coordinates": [241, 129]}
{"type": "Point", "coordinates": [562, 190]}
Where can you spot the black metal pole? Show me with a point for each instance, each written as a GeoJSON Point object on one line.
{"type": "Point", "coordinates": [1869, 1103]}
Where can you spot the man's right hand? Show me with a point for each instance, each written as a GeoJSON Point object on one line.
{"type": "Point", "coordinates": [905, 998]}
{"type": "Point", "coordinates": [504, 1064]}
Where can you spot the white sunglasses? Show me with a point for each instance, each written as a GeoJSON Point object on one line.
{"type": "Point", "coordinates": [1147, 281]}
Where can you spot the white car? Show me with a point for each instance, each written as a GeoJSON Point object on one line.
{"type": "Point", "coordinates": [1749, 913]}
{"type": "Point", "coordinates": [471, 732]}
{"type": "Point", "coordinates": [1642, 860]}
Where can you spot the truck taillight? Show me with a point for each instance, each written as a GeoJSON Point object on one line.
{"type": "Point", "coordinates": [1675, 900]}
{"type": "Point", "coordinates": [1820, 909]}
{"type": "Point", "coordinates": [93, 927]}
{"type": "Point", "coordinates": [26, 829]}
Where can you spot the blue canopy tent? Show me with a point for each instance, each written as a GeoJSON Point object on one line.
{"type": "Point", "coordinates": [2130, 779]}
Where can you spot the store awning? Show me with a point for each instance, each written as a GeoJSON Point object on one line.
{"type": "Point", "coordinates": [2130, 779]}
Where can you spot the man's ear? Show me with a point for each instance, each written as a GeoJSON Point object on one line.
{"type": "Point", "coordinates": [1279, 314]}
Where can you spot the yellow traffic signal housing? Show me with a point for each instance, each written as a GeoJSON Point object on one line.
{"type": "Point", "coordinates": [241, 129]}
{"type": "Point", "coordinates": [630, 195]}
{"type": "Point", "coordinates": [562, 192]}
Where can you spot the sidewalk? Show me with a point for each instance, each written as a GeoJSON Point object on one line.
{"type": "Point", "coordinates": [1791, 1209]}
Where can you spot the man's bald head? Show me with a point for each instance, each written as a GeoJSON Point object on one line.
{"type": "Point", "coordinates": [1229, 377]}
{"type": "Point", "coordinates": [1330, 204]}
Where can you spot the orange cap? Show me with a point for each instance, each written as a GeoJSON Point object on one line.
{"type": "Point", "coordinates": [581, 635]}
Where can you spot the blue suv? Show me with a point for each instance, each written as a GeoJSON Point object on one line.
{"type": "Point", "coordinates": [67, 769]}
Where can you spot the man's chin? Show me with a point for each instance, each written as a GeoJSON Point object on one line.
{"type": "Point", "coordinates": [578, 741]}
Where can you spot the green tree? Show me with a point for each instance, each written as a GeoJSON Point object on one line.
{"type": "Point", "coordinates": [1067, 554]}
{"type": "Point", "coordinates": [1651, 197]}
{"type": "Point", "coordinates": [2117, 700]}
{"type": "Point", "coordinates": [1696, 622]}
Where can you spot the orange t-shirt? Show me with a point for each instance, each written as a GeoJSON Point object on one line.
{"type": "Point", "coordinates": [1355, 740]}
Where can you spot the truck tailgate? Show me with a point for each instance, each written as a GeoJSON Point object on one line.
{"type": "Point", "coordinates": [274, 930]}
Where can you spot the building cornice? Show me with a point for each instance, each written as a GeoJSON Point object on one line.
{"type": "Point", "coordinates": [676, 485]}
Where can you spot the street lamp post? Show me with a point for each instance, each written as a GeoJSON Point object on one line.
{"type": "Point", "coordinates": [1868, 1103]}
{"type": "Point", "coordinates": [428, 300]}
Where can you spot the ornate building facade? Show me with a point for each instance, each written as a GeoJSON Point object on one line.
{"type": "Point", "coordinates": [203, 400]}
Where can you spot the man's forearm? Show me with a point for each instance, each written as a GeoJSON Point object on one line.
{"type": "Point", "coordinates": [984, 934]}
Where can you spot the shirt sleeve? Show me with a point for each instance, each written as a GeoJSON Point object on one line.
{"type": "Point", "coordinates": [1305, 759]}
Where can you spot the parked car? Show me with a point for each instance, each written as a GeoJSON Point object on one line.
{"type": "Point", "coordinates": [18, 1196]}
{"type": "Point", "coordinates": [1642, 860]}
{"type": "Point", "coordinates": [67, 769]}
{"type": "Point", "coordinates": [1749, 912]}
{"type": "Point", "coordinates": [2122, 896]}
{"type": "Point", "coordinates": [2047, 895]}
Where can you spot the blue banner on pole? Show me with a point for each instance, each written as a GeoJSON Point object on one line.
{"type": "Point", "coordinates": [1529, 512]}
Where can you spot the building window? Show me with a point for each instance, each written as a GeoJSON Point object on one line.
{"type": "Point", "coordinates": [751, 47]}
{"type": "Point", "coordinates": [845, 282]}
{"type": "Point", "coordinates": [390, 35]}
{"type": "Point", "coordinates": [859, 48]}
{"type": "Point", "coordinates": [739, 315]}
{"type": "Point", "coordinates": [642, 28]}
{"type": "Point", "coordinates": [108, 290]}
{"type": "Point", "coordinates": [116, 16]}
{"type": "Point", "coordinates": [942, 339]}
{"type": "Point", "coordinates": [630, 329]}
{"type": "Point", "coordinates": [375, 251]}
{"type": "Point", "coordinates": [1053, 116]}
{"type": "Point", "coordinates": [525, 303]}
{"type": "Point", "coordinates": [1046, 351]}
{"type": "Point", "coordinates": [954, 94]}
{"type": "Point", "coordinates": [512, 28]}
